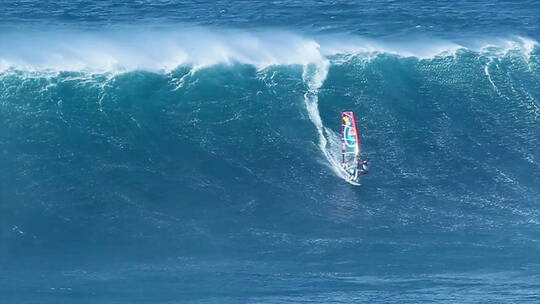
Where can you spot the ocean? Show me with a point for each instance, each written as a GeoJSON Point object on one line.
{"type": "Point", "coordinates": [189, 151]}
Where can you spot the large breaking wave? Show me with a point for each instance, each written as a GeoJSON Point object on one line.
{"type": "Point", "coordinates": [145, 136]}
{"type": "Point", "coordinates": [95, 60]}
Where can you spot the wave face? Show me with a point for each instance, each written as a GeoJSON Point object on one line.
{"type": "Point", "coordinates": [202, 165]}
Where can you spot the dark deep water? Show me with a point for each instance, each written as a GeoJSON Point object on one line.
{"type": "Point", "coordinates": [164, 152]}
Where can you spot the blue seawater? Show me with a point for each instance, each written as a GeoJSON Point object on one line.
{"type": "Point", "coordinates": [188, 152]}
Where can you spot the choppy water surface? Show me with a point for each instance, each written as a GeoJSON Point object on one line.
{"type": "Point", "coordinates": [168, 152]}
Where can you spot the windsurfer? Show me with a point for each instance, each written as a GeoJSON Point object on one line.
{"type": "Point", "coordinates": [363, 167]}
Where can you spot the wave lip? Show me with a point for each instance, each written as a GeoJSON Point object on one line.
{"type": "Point", "coordinates": [152, 50]}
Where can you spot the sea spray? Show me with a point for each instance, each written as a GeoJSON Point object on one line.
{"type": "Point", "coordinates": [314, 76]}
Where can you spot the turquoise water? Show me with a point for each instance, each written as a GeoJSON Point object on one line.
{"type": "Point", "coordinates": [163, 152]}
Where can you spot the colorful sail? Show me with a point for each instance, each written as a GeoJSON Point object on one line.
{"type": "Point", "coordinates": [350, 142]}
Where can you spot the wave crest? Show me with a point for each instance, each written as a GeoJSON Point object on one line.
{"type": "Point", "coordinates": [164, 50]}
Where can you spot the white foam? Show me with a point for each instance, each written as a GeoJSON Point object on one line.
{"type": "Point", "coordinates": [166, 49]}
{"type": "Point", "coordinates": [502, 46]}
{"type": "Point", "coordinates": [522, 44]}
{"type": "Point", "coordinates": [163, 50]}
{"type": "Point", "coordinates": [420, 48]}
{"type": "Point", "coordinates": [488, 75]}
{"type": "Point", "coordinates": [314, 76]}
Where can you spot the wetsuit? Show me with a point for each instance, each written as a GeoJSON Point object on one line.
{"type": "Point", "coordinates": [364, 168]}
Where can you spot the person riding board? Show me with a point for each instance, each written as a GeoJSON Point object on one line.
{"type": "Point", "coordinates": [362, 168]}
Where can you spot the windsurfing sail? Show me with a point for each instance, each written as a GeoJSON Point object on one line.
{"type": "Point", "coordinates": [350, 144]}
